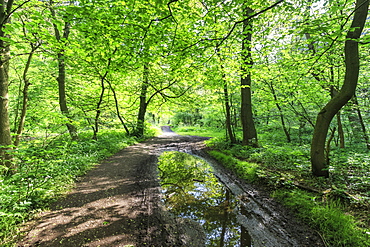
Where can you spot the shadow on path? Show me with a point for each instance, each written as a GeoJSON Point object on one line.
{"type": "Point", "coordinates": [116, 204]}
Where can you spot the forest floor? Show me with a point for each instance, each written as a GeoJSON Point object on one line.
{"type": "Point", "coordinates": [118, 203]}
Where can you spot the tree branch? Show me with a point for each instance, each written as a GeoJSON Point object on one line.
{"type": "Point", "coordinates": [248, 18]}
{"type": "Point", "coordinates": [233, 27]}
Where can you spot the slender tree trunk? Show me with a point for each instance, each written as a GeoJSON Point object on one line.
{"type": "Point", "coordinates": [103, 78]}
{"type": "Point", "coordinates": [5, 136]}
{"type": "Point", "coordinates": [98, 106]}
{"type": "Point", "coordinates": [361, 120]}
{"type": "Point", "coordinates": [61, 79]}
{"type": "Point", "coordinates": [139, 131]}
{"type": "Point", "coordinates": [229, 128]}
{"type": "Point", "coordinates": [333, 92]}
{"type": "Point", "coordinates": [318, 160]}
{"type": "Point", "coordinates": [26, 85]}
{"type": "Point", "coordinates": [117, 108]}
{"type": "Point", "coordinates": [249, 130]}
{"type": "Point", "coordinates": [340, 130]}
{"type": "Point", "coordinates": [285, 129]}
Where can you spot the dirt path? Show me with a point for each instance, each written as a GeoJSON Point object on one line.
{"type": "Point", "coordinates": [117, 204]}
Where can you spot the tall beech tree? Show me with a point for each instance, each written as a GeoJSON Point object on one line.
{"type": "Point", "coordinates": [319, 161]}
{"type": "Point", "coordinates": [249, 129]}
{"type": "Point", "coordinates": [5, 136]}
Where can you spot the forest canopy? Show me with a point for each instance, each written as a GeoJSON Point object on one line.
{"type": "Point", "coordinates": [243, 66]}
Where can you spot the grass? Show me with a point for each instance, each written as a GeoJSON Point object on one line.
{"type": "Point", "coordinates": [335, 226]}
{"type": "Point", "coordinates": [244, 169]}
{"type": "Point", "coordinates": [47, 170]}
{"type": "Point", "coordinates": [199, 131]}
{"type": "Point", "coordinates": [338, 207]}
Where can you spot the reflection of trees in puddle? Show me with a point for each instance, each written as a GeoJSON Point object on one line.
{"type": "Point", "coordinates": [192, 191]}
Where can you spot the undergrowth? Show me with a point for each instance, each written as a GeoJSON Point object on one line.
{"type": "Point", "coordinates": [336, 227]}
{"type": "Point", "coordinates": [46, 171]}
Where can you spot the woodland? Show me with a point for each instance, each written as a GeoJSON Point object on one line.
{"type": "Point", "coordinates": [284, 84]}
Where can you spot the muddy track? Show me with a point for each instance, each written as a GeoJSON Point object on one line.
{"type": "Point", "coordinates": [118, 204]}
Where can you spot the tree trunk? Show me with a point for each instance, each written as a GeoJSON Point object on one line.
{"type": "Point", "coordinates": [229, 128]}
{"type": "Point", "coordinates": [249, 130]}
{"type": "Point", "coordinates": [25, 99]}
{"type": "Point", "coordinates": [285, 129]}
{"type": "Point", "coordinates": [62, 96]}
{"type": "Point", "coordinates": [117, 108]}
{"type": "Point", "coordinates": [340, 131]}
{"type": "Point", "coordinates": [361, 120]}
{"type": "Point", "coordinates": [334, 92]}
{"type": "Point", "coordinates": [61, 79]}
{"type": "Point", "coordinates": [139, 130]}
{"type": "Point", "coordinates": [5, 136]}
{"type": "Point", "coordinates": [98, 106]}
{"type": "Point", "coordinates": [319, 162]}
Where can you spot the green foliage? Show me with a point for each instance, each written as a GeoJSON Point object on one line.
{"type": "Point", "coordinates": [218, 143]}
{"type": "Point", "coordinates": [282, 157]}
{"type": "Point", "coordinates": [350, 168]}
{"type": "Point", "coordinates": [199, 131]}
{"type": "Point", "coordinates": [337, 228]}
{"type": "Point", "coordinates": [287, 157]}
{"type": "Point", "coordinates": [47, 171]}
{"type": "Point", "coordinates": [187, 118]}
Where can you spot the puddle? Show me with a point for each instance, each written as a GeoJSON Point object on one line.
{"type": "Point", "coordinates": [192, 191]}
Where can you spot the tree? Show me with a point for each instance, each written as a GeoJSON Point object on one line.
{"type": "Point", "coordinates": [249, 130]}
{"type": "Point", "coordinates": [26, 84]}
{"type": "Point", "coordinates": [143, 103]}
{"type": "Point", "coordinates": [61, 38]}
{"type": "Point", "coordinates": [5, 136]}
{"type": "Point", "coordinates": [32, 40]}
{"type": "Point", "coordinates": [228, 121]}
{"type": "Point", "coordinates": [319, 161]}
{"type": "Point", "coordinates": [361, 121]}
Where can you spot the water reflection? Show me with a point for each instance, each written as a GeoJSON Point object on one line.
{"type": "Point", "coordinates": [192, 191]}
